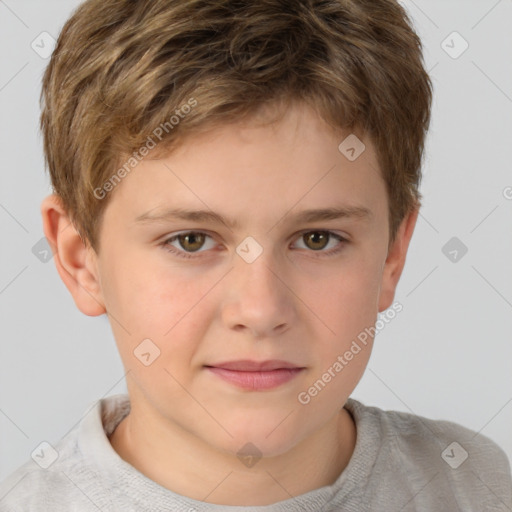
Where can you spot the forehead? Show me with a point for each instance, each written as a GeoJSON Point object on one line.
{"type": "Point", "coordinates": [247, 169]}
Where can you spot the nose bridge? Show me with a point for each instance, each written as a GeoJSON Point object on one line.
{"type": "Point", "coordinates": [258, 268]}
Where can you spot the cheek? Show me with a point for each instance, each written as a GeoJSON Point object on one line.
{"type": "Point", "coordinates": [167, 305]}
{"type": "Point", "coordinates": [145, 294]}
{"type": "Point", "coordinates": [165, 309]}
{"type": "Point", "coordinates": [349, 309]}
{"type": "Point", "coordinates": [346, 302]}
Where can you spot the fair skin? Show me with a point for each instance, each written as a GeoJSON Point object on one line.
{"type": "Point", "coordinates": [294, 302]}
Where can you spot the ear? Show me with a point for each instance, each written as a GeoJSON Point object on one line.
{"type": "Point", "coordinates": [75, 261]}
{"type": "Point", "coordinates": [395, 260]}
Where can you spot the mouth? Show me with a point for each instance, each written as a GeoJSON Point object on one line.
{"type": "Point", "coordinates": [247, 365]}
{"type": "Point", "coordinates": [254, 375]}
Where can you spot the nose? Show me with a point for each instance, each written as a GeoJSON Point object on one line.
{"type": "Point", "coordinates": [259, 297]}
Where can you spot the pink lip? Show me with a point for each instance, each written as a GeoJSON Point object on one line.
{"type": "Point", "coordinates": [255, 375]}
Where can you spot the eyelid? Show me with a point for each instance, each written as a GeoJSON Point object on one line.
{"type": "Point", "coordinates": [213, 235]}
{"type": "Point", "coordinates": [333, 232]}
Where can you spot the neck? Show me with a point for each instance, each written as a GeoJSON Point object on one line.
{"type": "Point", "coordinates": [187, 465]}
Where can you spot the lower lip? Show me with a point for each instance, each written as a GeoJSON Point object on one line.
{"type": "Point", "coordinates": [255, 381]}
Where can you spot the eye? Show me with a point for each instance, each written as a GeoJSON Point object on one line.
{"type": "Point", "coordinates": [317, 240]}
{"type": "Point", "coordinates": [192, 241]}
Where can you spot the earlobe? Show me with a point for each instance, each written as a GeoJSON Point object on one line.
{"type": "Point", "coordinates": [395, 261]}
{"type": "Point", "coordinates": [75, 261]}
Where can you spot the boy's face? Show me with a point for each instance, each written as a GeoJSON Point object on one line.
{"type": "Point", "coordinates": [228, 302]}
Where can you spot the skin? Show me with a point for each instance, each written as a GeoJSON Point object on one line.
{"type": "Point", "coordinates": [292, 302]}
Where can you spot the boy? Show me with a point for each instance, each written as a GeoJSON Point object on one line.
{"type": "Point", "coordinates": [236, 187]}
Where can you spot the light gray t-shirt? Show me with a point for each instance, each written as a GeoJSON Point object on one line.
{"type": "Point", "coordinates": [401, 462]}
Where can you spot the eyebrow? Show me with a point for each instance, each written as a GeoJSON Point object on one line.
{"type": "Point", "coordinates": [208, 216]}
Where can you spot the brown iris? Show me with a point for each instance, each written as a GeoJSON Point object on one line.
{"type": "Point", "coordinates": [194, 241]}
{"type": "Point", "coordinates": [316, 237]}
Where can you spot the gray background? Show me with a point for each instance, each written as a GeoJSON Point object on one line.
{"type": "Point", "coordinates": [447, 355]}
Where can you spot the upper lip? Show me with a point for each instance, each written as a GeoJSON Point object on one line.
{"type": "Point", "coordinates": [247, 365]}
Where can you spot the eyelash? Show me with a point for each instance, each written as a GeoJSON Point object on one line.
{"type": "Point", "coordinates": [184, 254]}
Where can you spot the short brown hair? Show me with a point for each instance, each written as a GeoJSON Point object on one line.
{"type": "Point", "coordinates": [122, 68]}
